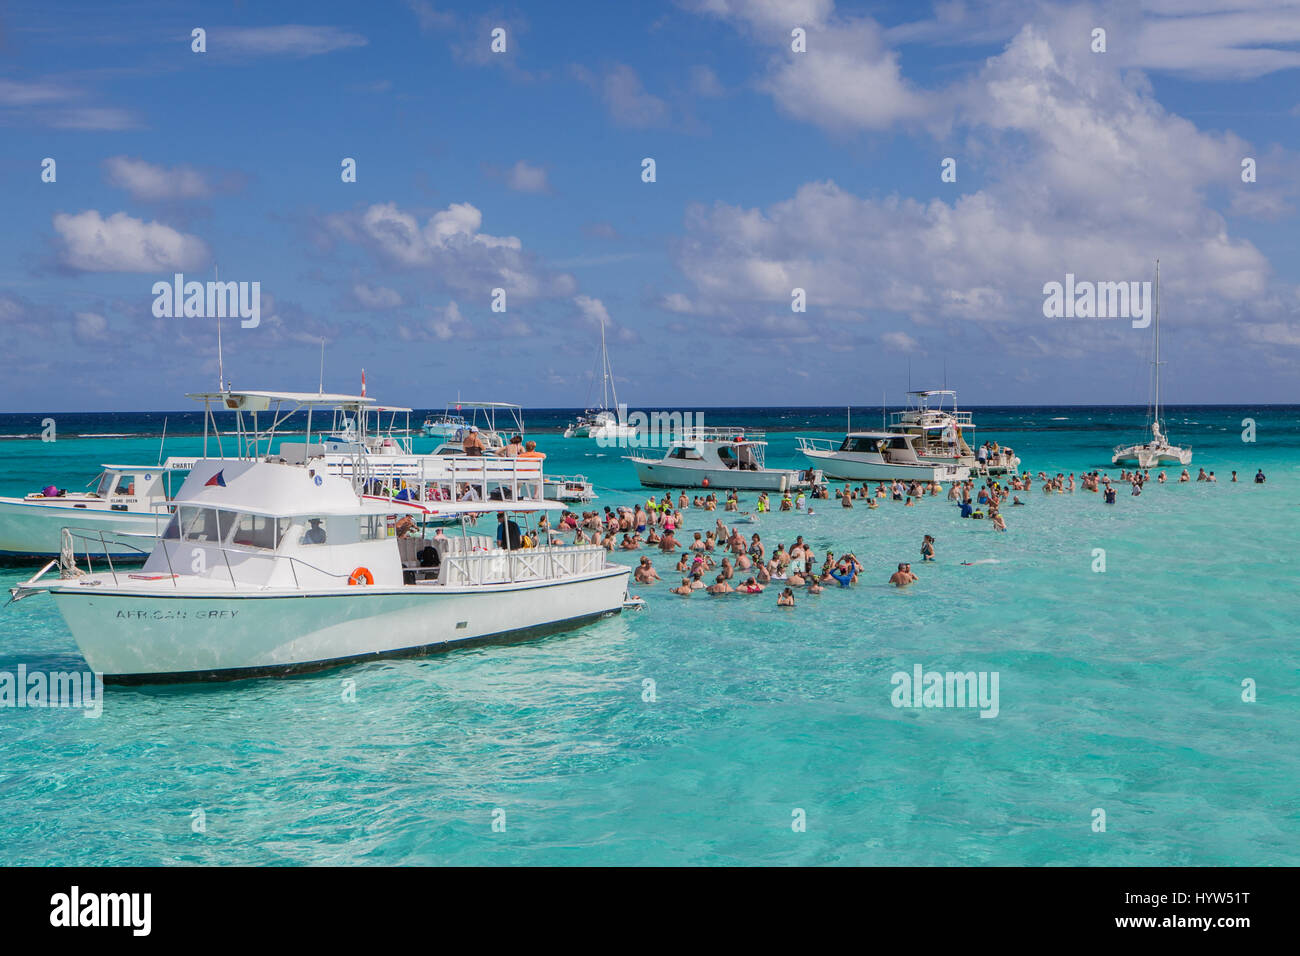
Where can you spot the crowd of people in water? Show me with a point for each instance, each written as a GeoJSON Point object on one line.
{"type": "Point", "coordinates": [725, 559]}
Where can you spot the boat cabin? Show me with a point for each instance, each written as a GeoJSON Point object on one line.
{"type": "Point", "coordinates": [117, 488]}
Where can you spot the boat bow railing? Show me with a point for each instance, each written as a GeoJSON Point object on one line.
{"type": "Point", "coordinates": [818, 444]}
{"type": "Point", "coordinates": [498, 566]}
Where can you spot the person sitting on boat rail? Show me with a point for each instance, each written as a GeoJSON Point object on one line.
{"type": "Point", "coordinates": [530, 451]}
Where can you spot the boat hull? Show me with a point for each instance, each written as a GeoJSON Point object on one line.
{"type": "Point", "coordinates": [34, 530]}
{"type": "Point", "coordinates": [834, 465]}
{"type": "Point", "coordinates": [441, 431]}
{"type": "Point", "coordinates": [1145, 457]}
{"type": "Point", "coordinates": [656, 474]}
{"type": "Point", "coordinates": [136, 636]}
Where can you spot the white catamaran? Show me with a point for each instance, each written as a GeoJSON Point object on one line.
{"type": "Point", "coordinates": [1158, 451]}
{"type": "Point", "coordinates": [272, 564]}
{"type": "Point", "coordinates": [607, 422]}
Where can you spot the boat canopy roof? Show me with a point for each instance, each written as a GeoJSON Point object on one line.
{"type": "Point", "coordinates": [276, 490]}
{"type": "Point", "coordinates": [171, 464]}
{"type": "Point", "coordinates": [926, 392]}
{"type": "Point", "coordinates": [462, 405]}
{"type": "Point", "coordinates": [259, 401]}
{"type": "Point", "coordinates": [880, 435]}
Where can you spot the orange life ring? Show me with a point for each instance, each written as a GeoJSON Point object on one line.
{"type": "Point", "coordinates": [361, 574]}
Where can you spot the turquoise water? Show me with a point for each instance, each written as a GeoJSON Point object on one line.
{"type": "Point", "coordinates": [1118, 690]}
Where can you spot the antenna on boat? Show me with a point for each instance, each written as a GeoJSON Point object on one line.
{"type": "Point", "coordinates": [221, 368]}
{"type": "Point", "coordinates": [848, 418]}
{"type": "Point", "coordinates": [162, 443]}
{"type": "Point", "coordinates": [1156, 397]}
{"type": "Point", "coordinates": [321, 390]}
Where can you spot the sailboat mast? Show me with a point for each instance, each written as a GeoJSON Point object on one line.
{"type": "Point", "coordinates": [1157, 362]}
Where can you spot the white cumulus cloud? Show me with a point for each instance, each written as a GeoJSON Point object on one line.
{"type": "Point", "coordinates": [121, 243]}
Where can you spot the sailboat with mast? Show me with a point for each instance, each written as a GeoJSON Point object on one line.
{"type": "Point", "coordinates": [1158, 451]}
{"type": "Point", "coordinates": [603, 423]}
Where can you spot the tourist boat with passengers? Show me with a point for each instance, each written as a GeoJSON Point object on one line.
{"type": "Point", "coordinates": [273, 563]}
{"type": "Point", "coordinates": [721, 458]}
{"type": "Point", "coordinates": [132, 504]}
{"type": "Point", "coordinates": [877, 456]}
{"type": "Point", "coordinates": [445, 425]}
{"type": "Point", "coordinates": [941, 430]}
{"type": "Point", "coordinates": [1158, 450]}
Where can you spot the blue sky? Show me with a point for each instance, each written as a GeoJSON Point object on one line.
{"type": "Point", "coordinates": [775, 170]}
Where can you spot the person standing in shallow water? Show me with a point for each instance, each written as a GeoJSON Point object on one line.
{"type": "Point", "coordinates": [903, 576]}
{"type": "Point", "coordinates": [927, 548]}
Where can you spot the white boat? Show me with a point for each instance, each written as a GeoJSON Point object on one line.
{"type": "Point", "coordinates": [497, 423]}
{"type": "Point", "coordinates": [121, 516]}
{"type": "Point", "coordinates": [568, 488]}
{"type": "Point", "coordinates": [607, 423]}
{"type": "Point", "coordinates": [445, 425]}
{"type": "Point", "coordinates": [602, 425]}
{"type": "Point", "coordinates": [131, 504]}
{"type": "Point", "coordinates": [941, 430]}
{"type": "Point", "coordinates": [270, 567]}
{"type": "Point", "coordinates": [1158, 451]}
{"type": "Point", "coordinates": [877, 456]}
{"type": "Point", "coordinates": [720, 458]}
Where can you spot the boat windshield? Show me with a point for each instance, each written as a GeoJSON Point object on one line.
{"type": "Point", "coordinates": [216, 526]}
{"type": "Point", "coordinates": [859, 444]}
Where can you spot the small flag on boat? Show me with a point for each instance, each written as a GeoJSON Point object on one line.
{"type": "Point", "coordinates": [216, 479]}
{"type": "Point", "coordinates": [363, 383]}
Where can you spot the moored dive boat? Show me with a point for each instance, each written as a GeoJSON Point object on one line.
{"type": "Point", "coordinates": [1158, 450]}
{"type": "Point", "coordinates": [877, 456]}
{"type": "Point", "coordinates": [721, 458]}
{"type": "Point", "coordinates": [941, 431]}
{"type": "Point", "coordinates": [271, 566]}
{"type": "Point", "coordinates": [121, 516]}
